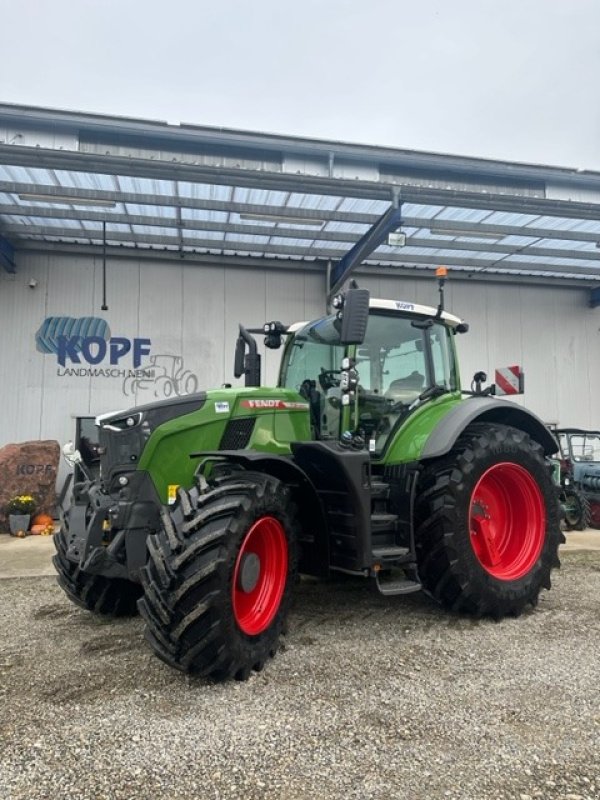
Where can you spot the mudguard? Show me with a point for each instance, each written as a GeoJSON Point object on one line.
{"type": "Point", "coordinates": [314, 558]}
{"type": "Point", "coordinates": [485, 409]}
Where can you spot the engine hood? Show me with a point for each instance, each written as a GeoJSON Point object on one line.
{"type": "Point", "coordinates": [151, 414]}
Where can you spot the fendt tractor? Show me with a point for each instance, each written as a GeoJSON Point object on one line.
{"type": "Point", "coordinates": [366, 459]}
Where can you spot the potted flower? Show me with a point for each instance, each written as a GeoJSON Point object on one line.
{"type": "Point", "coordinates": [19, 510]}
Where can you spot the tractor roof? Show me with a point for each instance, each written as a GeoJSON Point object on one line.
{"type": "Point", "coordinates": [400, 306]}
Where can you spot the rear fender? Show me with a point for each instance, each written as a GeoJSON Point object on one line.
{"type": "Point", "coordinates": [485, 409]}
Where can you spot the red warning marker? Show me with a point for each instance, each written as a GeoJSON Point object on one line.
{"type": "Point", "coordinates": [510, 380]}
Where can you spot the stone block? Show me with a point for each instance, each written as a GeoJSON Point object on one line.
{"type": "Point", "coordinates": [29, 468]}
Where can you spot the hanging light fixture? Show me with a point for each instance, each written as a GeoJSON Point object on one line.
{"type": "Point", "coordinates": [104, 307]}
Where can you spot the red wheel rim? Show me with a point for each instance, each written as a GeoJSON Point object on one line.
{"type": "Point", "coordinates": [260, 576]}
{"type": "Point", "coordinates": [507, 520]}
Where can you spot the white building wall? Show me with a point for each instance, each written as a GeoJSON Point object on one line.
{"type": "Point", "coordinates": [190, 314]}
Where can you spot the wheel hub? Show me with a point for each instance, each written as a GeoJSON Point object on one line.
{"type": "Point", "coordinates": [507, 521]}
{"type": "Point", "coordinates": [249, 572]}
{"type": "Point", "coordinates": [260, 575]}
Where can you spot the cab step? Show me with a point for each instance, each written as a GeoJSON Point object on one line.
{"type": "Point", "coordinates": [396, 584]}
{"type": "Point", "coordinates": [379, 490]}
{"type": "Point", "coordinates": [391, 553]}
{"type": "Point", "coordinates": [380, 523]}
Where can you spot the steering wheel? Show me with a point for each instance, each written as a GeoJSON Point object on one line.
{"type": "Point", "coordinates": [327, 379]}
{"type": "Point", "coordinates": [395, 405]}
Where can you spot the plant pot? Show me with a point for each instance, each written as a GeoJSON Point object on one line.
{"type": "Point", "coordinates": [18, 522]}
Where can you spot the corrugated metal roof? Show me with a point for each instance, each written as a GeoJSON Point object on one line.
{"type": "Point", "coordinates": [248, 204]}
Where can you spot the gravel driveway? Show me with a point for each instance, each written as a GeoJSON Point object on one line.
{"type": "Point", "coordinates": [372, 698]}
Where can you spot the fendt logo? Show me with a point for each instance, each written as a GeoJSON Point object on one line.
{"type": "Point", "coordinates": [87, 340]}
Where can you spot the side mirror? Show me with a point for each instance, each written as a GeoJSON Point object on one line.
{"type": "Point", "coordinates": [238, 363]}
{"type": "Point", "coordinates": [247, 364]}
{"type": "Point", "coordinates": [479, 378]}
{"type": "Point", "coordinates": [354, 316]}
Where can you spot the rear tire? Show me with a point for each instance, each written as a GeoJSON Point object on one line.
{"type": "Point", "coordinates": [219, 577]}
{"type": "Point", "coordinates": [114, 597]}
{"type": "Point", "coordinates": [488, 523]}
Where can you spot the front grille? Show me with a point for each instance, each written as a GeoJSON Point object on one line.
{"type": "Point", "coordinates": [237, 434]}
{"type": "Point", "coordinates": [120, 449]}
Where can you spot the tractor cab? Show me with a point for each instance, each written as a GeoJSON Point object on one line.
{"type": "Point", "coordinates": [581, 452]}
{"type": "Point", "coordinates": [406, 357]}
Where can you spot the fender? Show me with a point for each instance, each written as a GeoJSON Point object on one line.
{"type": "Point", "coordinates": [485, 409]}
{"type": "Point", "coordinates": [314, 556]}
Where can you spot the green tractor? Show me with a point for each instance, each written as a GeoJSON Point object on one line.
{"type": "Point", "coordinates": [366, 459]}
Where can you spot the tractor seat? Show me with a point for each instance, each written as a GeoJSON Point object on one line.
{"type": "Point", "coordinates": [406, 390]}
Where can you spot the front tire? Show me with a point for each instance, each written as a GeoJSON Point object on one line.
{"type": "Point", "coordinates": [488, 523]}
{"type": "Point", "coordinates": [114, 597]}
{"type": "Point", "coordinates": [219, 577]}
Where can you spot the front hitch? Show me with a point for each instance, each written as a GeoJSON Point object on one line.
{"type": "Point", "coordinates": [85, 535]}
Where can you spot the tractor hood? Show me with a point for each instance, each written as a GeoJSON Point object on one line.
{"type": "Point", "coordinates": [123, 435]}
{"type": "Point", "coordinates": [159, 437]}
{"type": "Point", "coordinates": [153, 414]}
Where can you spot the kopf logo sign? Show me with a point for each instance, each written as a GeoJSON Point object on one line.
{"type": "Point", "coordinates": [87, 340]}
{"type": "Point", "coordinates": [94, 349]}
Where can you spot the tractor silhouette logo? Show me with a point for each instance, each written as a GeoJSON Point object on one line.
{"type": "Point", "coordinates": [169, 378]}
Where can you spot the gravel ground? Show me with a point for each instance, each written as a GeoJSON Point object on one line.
{"type": "Point", "coordinates": [372, 698]}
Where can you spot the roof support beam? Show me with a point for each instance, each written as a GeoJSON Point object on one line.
{"type": "Point", "coordinates": [252, 208]}
{"type": "Point", "coordinates": [363, 248]}
{"type": "Point", "coordinates": [464, 228]}
{"type": "Point", "coordinates": [269, 230]}
{"type": "Point", "coordinates": [286, 181]}
{"type": "Point", "coordinates": [451, 227]}
{"type": "Point", "coordinates": [171, 201]}
{"type": "Point", "coordinates": [273, 262]}
{"type": "Point", "coordinates": [7, 255]}
{"type": "Point", "coordinates": [306, 253]}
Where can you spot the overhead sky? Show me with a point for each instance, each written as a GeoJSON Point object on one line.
{"type": "Point", "coordinates": [508, 79]}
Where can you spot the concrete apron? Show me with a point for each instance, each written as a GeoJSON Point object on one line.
{"type": "Point", "coordinates": [32, 557]}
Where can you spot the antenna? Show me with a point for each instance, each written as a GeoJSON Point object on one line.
{"type": "Point", "coordinates": [441, 274]}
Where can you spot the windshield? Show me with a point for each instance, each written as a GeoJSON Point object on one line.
{"type": "Point", "coordinates": [585, 447]}
{"type": "Point", "coordinates": [400, 358]}
{"type": "Point", "coordinates": [392, 360]}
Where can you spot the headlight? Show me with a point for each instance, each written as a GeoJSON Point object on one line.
{"type": "Point", "coordinates": [123, 423]}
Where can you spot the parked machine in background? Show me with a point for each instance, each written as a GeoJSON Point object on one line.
{"type": "Point", "coordinates": [580, 463]}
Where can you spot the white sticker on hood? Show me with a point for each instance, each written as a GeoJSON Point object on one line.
{"type": "Point", "coordinates": [222, 407]}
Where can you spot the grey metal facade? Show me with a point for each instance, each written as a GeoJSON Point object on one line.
{"type": "Point", "coordinates": [189, 312]}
